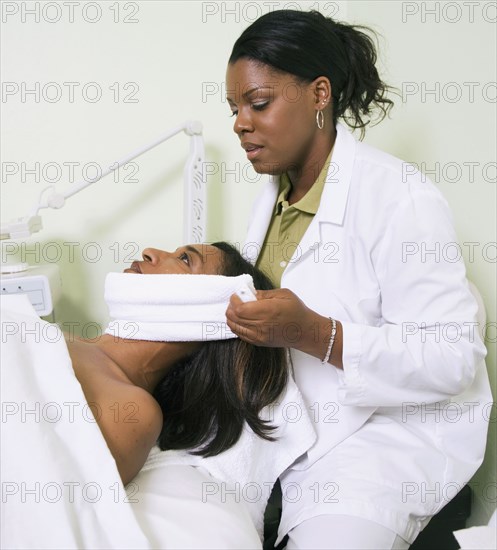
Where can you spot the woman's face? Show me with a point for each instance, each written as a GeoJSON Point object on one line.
{"type": "Point", "coordinates": [195, 259]}
{"type": "Point", "coordinates": [275, 116]}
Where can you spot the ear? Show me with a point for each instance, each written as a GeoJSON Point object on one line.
{"type": "Point", "coordinates": [322, 92]}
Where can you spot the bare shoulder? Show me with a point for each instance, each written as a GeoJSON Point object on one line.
{"type": "Point", "coordinates": [128, 416]}
{"type": "Point", "coordinates": [131, 422]}
{"type": "Point", "coordinates": [135, 409]}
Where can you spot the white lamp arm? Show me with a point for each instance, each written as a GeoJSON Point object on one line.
{"type": "Point", "coordinates": [194, 192]}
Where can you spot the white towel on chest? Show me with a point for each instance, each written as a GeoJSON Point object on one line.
{"type": "Point", "coordinates": [171, 307]}
{"type": "Point", "coordinates": [249, 469]}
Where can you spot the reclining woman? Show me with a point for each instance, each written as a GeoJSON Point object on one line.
{"type": "Point", "coordinates": [217, 406]}
{"type": "Point", "coordinates": [185, 395]}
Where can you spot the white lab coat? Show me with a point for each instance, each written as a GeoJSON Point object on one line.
{"type": "Point", "coordinates": [381, 256]}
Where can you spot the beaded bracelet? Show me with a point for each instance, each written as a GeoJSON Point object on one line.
{"type": "Point", "coordinates": [332, 340]}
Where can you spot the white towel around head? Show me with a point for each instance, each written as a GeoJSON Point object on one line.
{"type": "Point", "coordinates": [172, 307]}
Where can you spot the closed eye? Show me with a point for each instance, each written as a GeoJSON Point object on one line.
{"type": "Point", "coordinates": [260, 106]}
{"type": "Point", "coordinates": [255, 106]}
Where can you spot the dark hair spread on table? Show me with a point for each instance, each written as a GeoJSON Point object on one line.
{"type": "Point", "coordinates": [307, 45]}
{"type": "Point", "coordinates": [207, 398]}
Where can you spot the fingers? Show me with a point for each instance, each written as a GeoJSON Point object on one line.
{"type": "Point", "coordinates": [237, 312]}
{"type": "Point", "coordinates": [242, 320]}
{"type": "Point", "coordinates": [271, 307]}
{"type": "Point", "coordinates": [266, 321]}
{"type": "Point", "coordinates": [246, 331]}
{"type": "Point", "coordinates": [242, 312]}
{"type": "Point", "coordinates": [278, 294]}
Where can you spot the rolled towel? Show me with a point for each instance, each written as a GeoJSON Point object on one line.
{"type": "Point", "coordinates": [172, 307]}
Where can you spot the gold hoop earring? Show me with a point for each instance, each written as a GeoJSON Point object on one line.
{"type": "Point", "coordinates": [320, 119]}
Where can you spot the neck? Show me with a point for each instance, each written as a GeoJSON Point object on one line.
{"type": "Point", "coordinates": [143, 363]}
{"type": "Point", "coordinates": [305, 173]}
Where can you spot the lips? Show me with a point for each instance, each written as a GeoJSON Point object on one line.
{"type": "Point", "coordinates": [133, 268]}
{"type": "Point", "coordinates": [252, 149]}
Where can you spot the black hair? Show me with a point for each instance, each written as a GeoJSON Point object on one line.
{"type": "Point", "coordinates": [308, 45]}
{"type": "Point", "coordinates": [207, 398]}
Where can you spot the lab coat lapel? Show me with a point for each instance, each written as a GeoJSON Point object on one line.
{"type": "Point", "coordinates": [331, 209]}
{"type": "Point", "coordinates": [260, 219]}
{"type": "Point", "coordinates": [334, 198]}
{"type": "Point", "coordinates": [336, 190]}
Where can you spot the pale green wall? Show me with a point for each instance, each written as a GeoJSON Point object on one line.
{"type": "Point", "coordinates": [176, 55]}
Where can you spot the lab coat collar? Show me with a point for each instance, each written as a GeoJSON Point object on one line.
{"type": "Point", "coordinates": [335, 193]}
{"type": "Point", "coordinates": [336, 189]}
{"type": "Point", "coordinates": [333, 200]}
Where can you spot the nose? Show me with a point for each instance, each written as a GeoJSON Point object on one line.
{"type": "Point", "coordinates": [152, 255]}
{"type": "Point", "coordinates": [243, 122]}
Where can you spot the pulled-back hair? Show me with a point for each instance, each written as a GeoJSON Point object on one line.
{"type": "Point", "coordinates": [308, 45]}
{"type": "Point", "coordinates": [206, 398]}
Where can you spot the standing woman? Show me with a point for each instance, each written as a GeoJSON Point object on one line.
{"type": "Point", "coordinates": [383, 337]}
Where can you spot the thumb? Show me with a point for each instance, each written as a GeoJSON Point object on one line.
{"type": "Point", "coordinates": [276, 293]}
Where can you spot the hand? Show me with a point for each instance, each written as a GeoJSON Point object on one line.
{"type": "Point", "coordinates": [277, 319]}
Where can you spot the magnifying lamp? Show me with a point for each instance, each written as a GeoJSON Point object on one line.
{"type": "Point", "coordinates": [42, 283]}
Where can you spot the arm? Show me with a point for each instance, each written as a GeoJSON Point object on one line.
{"type": "Point", "coordinates": [130, 421]}
{"type": "Point", "coordinates": [128, 416]}
{"type": "Point", "coordinates": [427, 347]}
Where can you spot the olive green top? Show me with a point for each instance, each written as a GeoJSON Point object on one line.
{"type": "Point", "coordinates": [288, 225]}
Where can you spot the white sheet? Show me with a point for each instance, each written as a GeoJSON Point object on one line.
{"type": "Point", "coordinates": [60, 484]}
{"type": "Point", "coordinates": [250, 468]}
{"type": "Point", "coordinates": [192, 520]}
